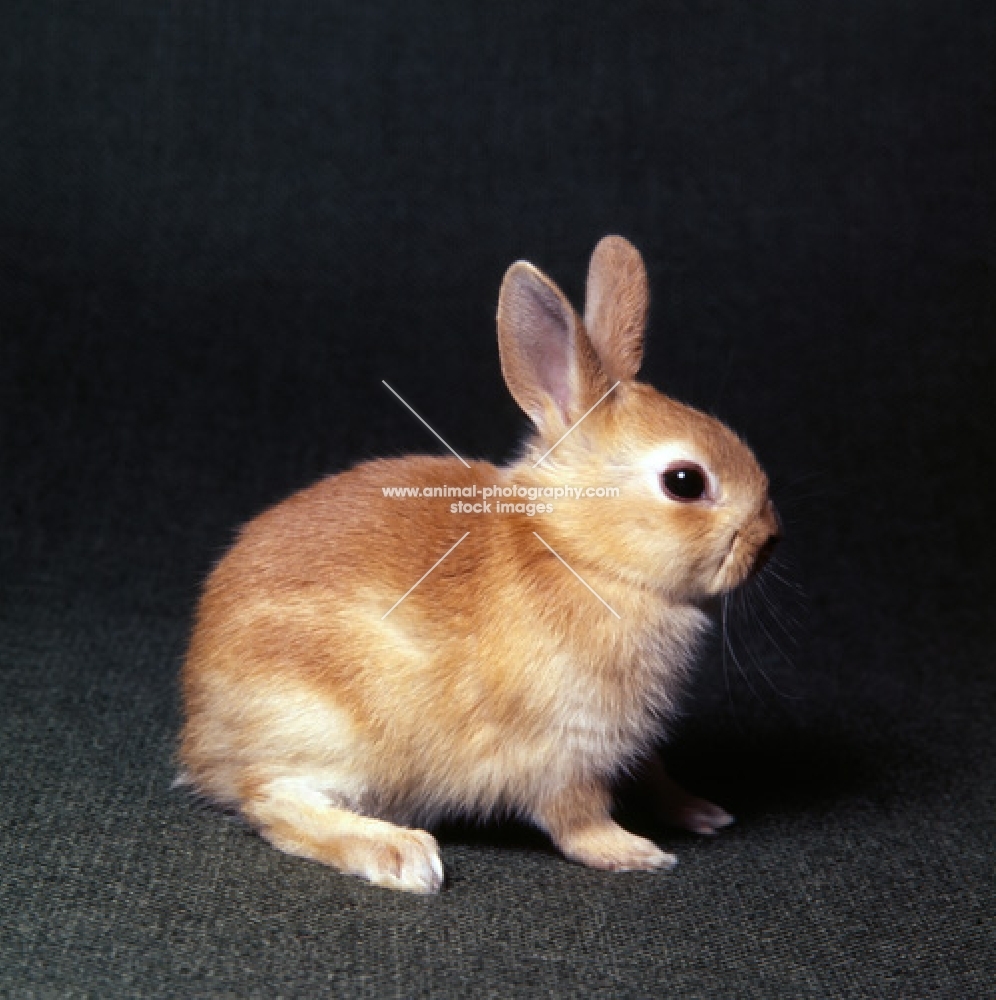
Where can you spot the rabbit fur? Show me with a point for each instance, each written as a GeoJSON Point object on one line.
{"type": "Point", "coordinates": [502, 683]}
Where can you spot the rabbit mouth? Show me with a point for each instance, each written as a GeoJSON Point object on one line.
{"type": "Point", "coordinates": [742, 561]}
{"type": "Point", "coordinates": [730, 573]}
{"type": "Point", "coordinates": [763, 555]}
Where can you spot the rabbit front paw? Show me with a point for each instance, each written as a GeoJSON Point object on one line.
{"type": "Point", "coordinates": [678, 808]}
{"type": "Point", "coordinates": [695, 815]}
{"type": "Point", "coordinates": [611, 848]}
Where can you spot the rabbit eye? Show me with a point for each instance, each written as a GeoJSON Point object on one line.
{"type": "Point", "coordinates": [684, 482]}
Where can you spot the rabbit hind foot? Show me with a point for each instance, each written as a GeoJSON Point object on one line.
{"type": "Point", "coordinates": [297, 816]}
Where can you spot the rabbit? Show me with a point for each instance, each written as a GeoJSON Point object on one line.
{"type": "Point", "coordinates": [537, 659]}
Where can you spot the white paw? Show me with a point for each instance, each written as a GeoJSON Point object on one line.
{"type": "Point", "coordinates": [409, 860]}
{"type": "Point", "coordinates": [614, 849]}
{"type": "Point", "coordinates": [642, 855]}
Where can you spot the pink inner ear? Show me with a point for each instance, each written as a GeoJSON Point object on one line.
{"type": "Point", "coordinates": [547, 340]}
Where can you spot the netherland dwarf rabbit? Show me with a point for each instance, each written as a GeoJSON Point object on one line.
{"type": "Point", "coordinates": [530, 668]}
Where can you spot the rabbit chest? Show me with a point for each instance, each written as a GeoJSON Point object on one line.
{"type": "Point", "coordinates": [605, 710]}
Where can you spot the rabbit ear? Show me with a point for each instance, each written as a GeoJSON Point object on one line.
{"type": "Point", "coordinates": [617, 299]}
{"type": "Point", "coordinates": [548, 363]}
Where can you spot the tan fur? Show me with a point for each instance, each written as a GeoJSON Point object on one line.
{"type": "Point", "coordinates": [617, 299]}
{"type": "Point", "coordinates": [500, 684]}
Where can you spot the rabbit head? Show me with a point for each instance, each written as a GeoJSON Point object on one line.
{"type": "Point", "coordinates": [692, 517]}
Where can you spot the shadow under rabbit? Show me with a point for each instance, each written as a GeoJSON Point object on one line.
{"type": "Point", "coordinates": [753, 776]}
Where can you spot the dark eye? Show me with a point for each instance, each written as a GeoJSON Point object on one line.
{"type": "Point", "coordinates": [684, 482]}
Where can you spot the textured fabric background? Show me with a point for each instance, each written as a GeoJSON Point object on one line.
{"type": "Point", "coordinates": [222, 224]}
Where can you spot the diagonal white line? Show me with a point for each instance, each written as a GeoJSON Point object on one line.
{"type": "Point", "coordinates": [561, 438]}
{"type": "Point", "coordinates": [609, 606]}
{"type": "Point", "coordinates": [430, 428]}
{"type": "Point", "coordinates": [431, 568]}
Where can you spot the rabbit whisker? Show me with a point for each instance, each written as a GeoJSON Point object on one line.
{"type": "Point", "coordinates": [754, 617]}
{"type": "Point", "coordinates": [733, 655]}
{"type": "Point", "coordinates": [779, 616]}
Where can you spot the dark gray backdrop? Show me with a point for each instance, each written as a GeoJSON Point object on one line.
{"type": "Point", "coordinates": [222, 225]}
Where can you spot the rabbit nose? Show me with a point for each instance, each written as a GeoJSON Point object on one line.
{"type": "Point", "coordinates": [771, 521]}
